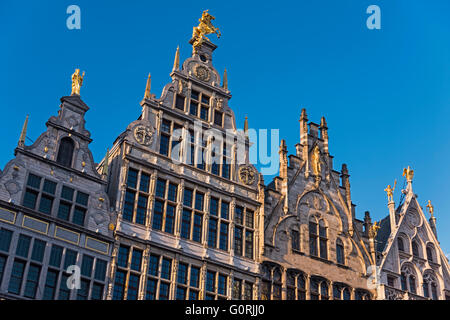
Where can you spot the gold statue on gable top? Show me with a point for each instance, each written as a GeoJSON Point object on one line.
{"type": "Point", "coordinates": [408, 173]}
{"type": "Point", "coordinates": [390, 191]}
{"type": "Point", "coordinates": [430, 208]}
{"type": "Point", "coordinates": [77, 81]}
{"type": "Point", "coordinates": [315, 161]}
{"type": "Point", "coordinates": [205, 27]}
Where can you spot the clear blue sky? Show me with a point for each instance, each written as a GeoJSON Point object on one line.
{"type": "Point", "coordinates": [385, 93]}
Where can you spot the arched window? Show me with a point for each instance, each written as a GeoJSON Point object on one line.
{"type": "Point", "coordinates": [295, 285]}
{"type": "Point", "coordinates": [415, 249]}
{"type": "Point", "coordinates": [412, 284]}
{"type": "Point", "coordinates": [271, 282]}
{"type": "Point", "coordinates": [301, 287]}
{"type": "Point", "coordinates": [324, 290]}
{"type": "Point", "coordinates": [430, 255]}
{"type": "Point", "coordinates": [339, 252]}
{"type": "Point", "coordinates": [346, 294]}
{"type": "Point", "coordinates": [362, 295]}
{"type": "Point", "coordinates": [65, 152]}
{"type": "Point", "coordinates": [430, 284]}
{"type": "Point", "coordinates": [323, 246]}
{"type": "Point", "coordinates": [408, 279]}
{"type": "Point", "coordinates": [401, 247]}
{"type": "Point", "coordinates": [319, 289]}
{"type": "Point", "coordinates": [313, 236]}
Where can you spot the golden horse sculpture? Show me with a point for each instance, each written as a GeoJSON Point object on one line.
{"type": "Point", "coordinates": [205, 27]}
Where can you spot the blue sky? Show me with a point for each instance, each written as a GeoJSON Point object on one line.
{"type": "Point", "coordinates": [385, 93]}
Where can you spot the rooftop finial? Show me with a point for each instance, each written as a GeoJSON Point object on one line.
{"type": "Point", "coordinates": [176, 62]}
{"type": "Point", "coordinates": [430, 208]}
{"type": "Point", "coordinates": [23, 134]}
{"type": "Point", "coordinates": [323, 123]}
{"type": "Point", "coordinates": [205, 27]}
{"type": "Point", "coordinates": [225, 79]}
{"type": "Point", "coordinates": [303, 115]}
{"type": "Point", "coordinates": [147, 87]}
{"type": "Point", "coordinates": [408, 173]}
{"type": "Point", "coordinates": [246, 125]}
{"type": "Point", "coordinates": [77, 82]}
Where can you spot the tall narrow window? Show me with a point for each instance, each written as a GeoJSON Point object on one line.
{"type": "Point", "coordinates": [65, 152]}
{"type": "Point", "coordinates": [415, 249]}
{"type": "Point", "coordinates": [401, 247]}
{"type": "Point", "coordinates": [430, 255]}
{"type": "Point", "coordinates": [339, 251]}
{"type": "Point", "coordinates": [313, 236]}
{"type": "Point", "coordinates": [295, 240]}
{"type": "Point", "coordinates": [323, 240]}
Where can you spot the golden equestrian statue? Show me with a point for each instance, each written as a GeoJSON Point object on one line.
{"type": "Point", "coordinates": [373, 230]}
{"type": "Point", "coordinates": [205, 27]}
{"type": "Point", "coordinates": [77, 81]}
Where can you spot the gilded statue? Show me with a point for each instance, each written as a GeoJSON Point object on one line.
{"type": "Point", "coordinates": [315, 161]}
{"type": "Point", "coordinates": [205, 27]}
{"type": "Point", "coordinates": [430, 208]}
{"type": "Point", "coordinates": [390, 191]}
{"type": "Point", "coordinates": [408, 173]}
{"type": "Point", "coordinates": [373, 230]}
{"type": "Point", "coordinates": [77, 81]}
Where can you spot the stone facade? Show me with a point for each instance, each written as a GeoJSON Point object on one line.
{"type": "Point", "coordinates": [161, 217]}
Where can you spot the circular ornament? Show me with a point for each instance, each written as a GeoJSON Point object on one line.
{"type": "Point", "coordinates": [246, 175]}
{"type": "Point", "coordinates": [143, 135]}
{"type": "Point", "coordinates": [202, 73]}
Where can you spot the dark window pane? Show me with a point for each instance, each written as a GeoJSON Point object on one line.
{"type": "Point", "coordinates": [151, 290]}
{"type": "Point", "coordinates": [195, 277]}
{"type": "Point", "coordinates": [29, 199]}
{"type": "Point", "coordinates": [122, 259]}
{"type": "Point", "coordinates": [195, 95]}
{"type": "Point", "coordinates": [210, 281]}
{"type": "Point", "coordinates": [170, 219]}
{"type": "Point", "coordinates": [164, 145]}
{"type": "Point", "coordinates": [32, 281]}
{"type": "Point", "coordinates": [2, 267]}
{"type": "Point", "coordinates": [78, 216]}
{"type": "Point", "coordinates": [49, 187]}
{"type": "Point", "coordinates": [238, 241]}
{"type": "Point", "coordinates": [186, 224]}
{"type": "Point", "coordinates": [141, 209]}
{"type": "Point", "coordinates": [218, 118]}
{"type": "Point", "coordinates": [193, 110]}
{"type": "Point", "coordinates": [129, 205]}
{"type": "Point", "coordinates": [86, 266]}
{"type": "Point", "coordinates": [38, 250]}
{"type": "Point", "coordinates": [34, 181]}
{"type": "Point", "coordinates": [204, 113]}
{"type": "Point", "coordinates": [132, 178]}
{"type": "Point", "coordinates": [153, 265]}
{"type": "Point", "coordinates": [50, 285]}
{"type": "Point", "coordinates": [179, 102]}
{"type": "Point", "coordinates": [197, 230]}
{"type": "Point", "coordinates": [238, 215]}
{"type": "Point", "coordinates": [67, 193]}
{"type": "Point", "coordinates": [82, 198]}
{"type": "Point", "coordinates": [160, 188]}
{"type": "Point", "coordinates": [249, 244]}
{"type": "Point", "coordinates": [224, 210]}
{"type": "Point", "coordinates": [166, 269]}
{"type": "Point", "coordinates": [64, 210]}
{"type": "Point", "coordinates": [23, 246]}
{"type": "Point", "coordinates": [165, 126]}
{"type": "Point", "coordinates": [5, 239]}
{"type": "Point", "coordinates": [119, 285]}
{"type": "Point", "coordinates": [223, 236]}
{"type": "Point", "coordinates": [133, 287]}
{"type": "Point", "coordinates": [65, 152]}
{"type": "Point", "coordinates": [181, 293]}
{"type": "Point", "coordinates": [222, 285]}
{"type": "Point", "coordinates": [158, 215]}
{"type": "Point", "coordinates": [199, 199]}
{"type": "Point", "coordinates": [295, 240]}
{"type": "Point", "coordinates": [82, 293]}
{"type": "Point", "coordinates": [212, 233]}
{"type": "Point", "coordinates": [249, 217]}
{"type": "Point", "coordinates": [188, 197]}
{"type": "Point", "coordinates": [214, 207]}
{"type": "Point", "coordinates": [182, 273]}
{"type": "Point", "coordinates": [70, 258]}
{"type": "Point", "coordinates": [145, 182]}
{"type": "Point", "coordinates": [136, 260]}
{"type": "Point", "coordinates": [64, 292]}
{"type": "Point", "coordinates": [45, 206]}
{"type": "Point", "coordinates": [172, 194]}
{"type": "Point", "coordinates": [15, 281]}
{"type": "Point", "coordinates": [163, 291]}
{"type": "Point", "coordinates": [100, 269]}
{"type": "Point", "coordinates": [97, 291]}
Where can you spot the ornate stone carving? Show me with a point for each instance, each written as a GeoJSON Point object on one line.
{"type": "Point", "coordinates": [246, 175]}
{"type": "Point", "coordinates": [202, 73]}
{"type": "Point", "coordinates": [143, 135]}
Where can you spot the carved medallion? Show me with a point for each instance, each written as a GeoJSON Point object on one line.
{"type": "Point", "coordinates": [143, 135]}
{"type": "Point", "coordinates": [202, 73]}
{"type": "Point", "coordinates": [246, 175]}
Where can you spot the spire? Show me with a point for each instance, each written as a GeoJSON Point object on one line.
{"type": "Point", "coordinates": [176, 62]}
{"type": "Point", "coordinates": [324, 134]}
{"type": "Point", "coordinates": [23, 134]}
{"type": "Point", "coordinates": [225, 80]}
{"type": "Point", "coordinates": [105, 163]}
{"type": "Point", "coordinates": [246, 125]}
{"type": "Point", "coordinates": [148, 86]}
